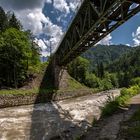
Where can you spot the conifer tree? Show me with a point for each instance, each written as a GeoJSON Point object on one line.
{"type": "Point", "coordinates": [14, 22]}
{"type": "Point", "coordinates": [3, 20]}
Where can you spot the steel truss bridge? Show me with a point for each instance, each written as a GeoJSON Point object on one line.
{"type": "Point", "coordinates": [94, 20]}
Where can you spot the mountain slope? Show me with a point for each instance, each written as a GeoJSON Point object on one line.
{"type": "Point", "coordinates": [129, 62]}
{"type": "Point", "coordinates": [105, 54]}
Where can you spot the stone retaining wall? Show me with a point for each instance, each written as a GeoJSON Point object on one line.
{"type": "Point", "coordinates": [10, 100]}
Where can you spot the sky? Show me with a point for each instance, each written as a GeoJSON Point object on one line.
{"type": "Point", "coordinates": [49, 20]}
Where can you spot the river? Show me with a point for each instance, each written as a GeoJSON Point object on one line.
{"type": "Point", "coordinates": [64, 119]}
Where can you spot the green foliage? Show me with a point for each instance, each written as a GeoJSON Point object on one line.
{"type": "Point", "coordinates": [126, 94]}
{"type": "Point", "coordinates": [136, 116]}
{"type": "Point", "coordinates": [19, 55]}
{"type": "Point", "coordinates": [133, 129]}
{"type": "Point", "coordinates": [97, 74]}
{"type": "Point", "coordinates": [100, 70]}
{"type": "Point", "coordinates": [92, 81]}
{"type": "Point", "coordinates": [14, 22]}
{"type": "Point", "coordinates": [114, 80]}
{"type": "Point", "coordinates": [3, 20]}
{"type": "Point", "coordinates": [127, 67]}
{"type": "Point", "coordinates": [132, 91]}
{"type": "Point", "coordinates": [78, 138]}
{"type": "Point", "coordinates": [14, 54]}
{"type": "Point", "coordinates": [106, 84]}
{"type": "Point", "coordinates": [73, 84]}
{"type": "Point", "coordinates": [78, 69]}
{"type": "Point", "coordinates": [121, 60]}
{"type": "Point", "coordinates": [104, 54]}
{"type": "Point", "coordinates": [110, 108]}
{"type": "Point", "coordinates": [27, 91]}
{"type": "Point", "coordinates": [134, 132]}
{"type": "Point", "coordinates": [135, 81]}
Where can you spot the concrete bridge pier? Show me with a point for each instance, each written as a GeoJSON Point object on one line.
{"type": "Point", "coordinates": [59, 75]}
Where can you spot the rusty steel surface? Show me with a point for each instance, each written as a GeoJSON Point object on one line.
{"type": "Point", "coordinates": [94, 20]}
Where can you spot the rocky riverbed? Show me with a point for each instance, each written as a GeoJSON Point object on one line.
{"type": "Point", "coordinates": [60, 120]}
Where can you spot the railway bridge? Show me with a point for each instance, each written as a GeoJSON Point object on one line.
{"type": "Point", "coordinates": [94, 20]}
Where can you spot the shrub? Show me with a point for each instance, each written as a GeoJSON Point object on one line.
{"type": "Point", "coordinates": [126, 94]}
{"type": "Point", "coordinates": [132, 91]}
{"type": "Point", "coordinates": [106, 84]}
{"type": "Point", "coordinates": [92, 81]}
{"type": "Point", "coordinates": [110, 108]}
{"type": "Point", "coordinates": [135, 81]}
{"type": "Point", "coordinates": [114, 80]}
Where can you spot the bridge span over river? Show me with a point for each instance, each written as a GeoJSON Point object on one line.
{"type": "Point", "coordinates": [94, 20]}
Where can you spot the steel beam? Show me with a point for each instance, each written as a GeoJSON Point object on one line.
{"type": "Point", "coordinates": [94, 20]}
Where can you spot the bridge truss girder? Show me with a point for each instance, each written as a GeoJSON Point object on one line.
{"type": "Point", "coordinates": [94, 20]}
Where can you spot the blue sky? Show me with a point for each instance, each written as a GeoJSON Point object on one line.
{"type": "Point", "coordinates": [49, 19]}
{"type": "Point", "coordinates": [123, 34]}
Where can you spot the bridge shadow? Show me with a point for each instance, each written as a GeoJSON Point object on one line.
{"type": "Point", "coordinates": [49, 121]}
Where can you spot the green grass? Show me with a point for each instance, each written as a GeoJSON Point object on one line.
{"type": "Point", "coordinates": [134, 130]}
{"type": "Point", "coordinates": [73, 84]}
{"type": "Point", "coordinates": [38, 69]}
{"type": "Point", "coordinates": [120, 101]}
{"type": "Point", "coordinates": [110, 108]}
{"type": "Point", "coordinates": [136, 116]}
{"type": "Point", "coordinates": [29, 91]}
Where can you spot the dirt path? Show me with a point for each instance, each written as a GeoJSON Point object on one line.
{"type": "Point", "coordinates": [61, 120]}
{"type": "Point", "coordinates": [109, 128]}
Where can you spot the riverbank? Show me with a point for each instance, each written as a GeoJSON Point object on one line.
{"type": "Point", "coordinates": [10, 100]}
{"type": "Point", "coordinates": [118, 125]}
{"type": "Point", "coordinates": [67, 118]}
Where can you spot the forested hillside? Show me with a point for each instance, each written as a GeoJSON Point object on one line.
{"type": "Point", "coordinates": [127, 66]}
{"type": "Point", "coordinates": [127, 61]}
{"type": "Point", "coordinates": [19, 54]}
{"type": "Point", "coordinates": [106, 67]}
{"type": "Point", "coordinates": [105, 54]}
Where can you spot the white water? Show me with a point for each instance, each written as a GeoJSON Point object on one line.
{"type": "Point", "coordinates": [44, 121]}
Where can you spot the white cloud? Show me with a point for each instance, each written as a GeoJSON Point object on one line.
{"type": "Point", "coordinates": [48, 1]}
{"type": "Point", "coordinates": [65, 5]}
{"type": "Point", "coordinates": [61, 5]}
{"type": "Point", "coordinates": [52, 43]}
{"type": "Point", "coordinates": [74, 4]}
{"type": "Point", "coordinates": [43, 47]}
{"type": "Point", "coordinates": [52, 30]}
{"type": "Point", "coordinates": [40, 24]}
{"type": "Point", "coordinates": [128, 45]}
{"type": "Point", "coordinates": [32, 19]}
{"type": "Point", "coordinates": [136, 37]}
{"type": "Point", "coordinates": [106, 40]}
{"type": "Point", "coordinates": [41, 44]}
{"type": "Point", "coordinates": [54, 33]}
{"type": "Point", "coordinates": [45, 53]}
{"type": "Point", "coordinates": [36, 19]}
